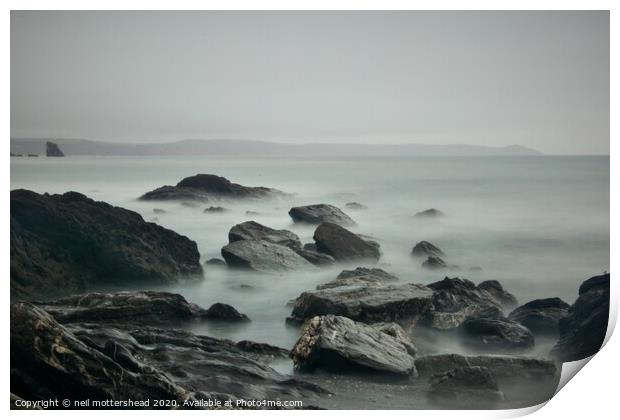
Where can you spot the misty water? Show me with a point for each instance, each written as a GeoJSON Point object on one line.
{"type": "Point", "coordinates": [539, 225]}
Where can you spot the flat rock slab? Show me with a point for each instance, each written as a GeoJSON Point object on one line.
{"type": "Point", "coordinates": [367, 304]}
{"type": "Point", "coordinates": [263, 256]}
{"type": "Point", "coordinates": [319, 213]}
{"type": "Point", "coordinates": [336, 343]}
{"type": "Point", "coordinates": [343, 244]}
{"type": "Point", "coordinates": [255, 231]}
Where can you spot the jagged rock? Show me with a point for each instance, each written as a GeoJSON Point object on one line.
{"type": "Point", "coordinates": [263, 256]}
{"type": "Point", "coordinates": [369, 304]}
{"type": "Point", "coordinates": [426, 249]}
{"type": "Point", "coordinates": [342, 244]}
{"type": "Point", "coordinates": [496, 335]}
{"type": "Point", "coordinates": [336, 343]}
{"type": "Point", "coordinates": [518, 367]}
{"type": "Point", "coordinates": [63, 244]}
{"type": "Point", "coordinates": [255, 231]}
{"type": "Point", "coordinates": [317, 258]}
{"type": "Point", "coordinates": [494, 287]}
{"type": "Point", "coordinates": [583, 331]}
{"type": "Point", "coordinates": [465, 386]}
{"type": "Point", "coordinates": [454, 300]}
{"type": "Point", "coordinates": [52, 150]}
{"type": "Point", "coordinates": [100, 362]}
{"type": "Point", "coordinates": [361, 276]}
{"type": "Point", "coordinates": [355, 206]}
{"type": "Point", "coordinates": [204, 187]}
{"type": "Point", "coordinates": [216, 262]}
{"type": "Point", "coordinates": [541, 316]}
{"type": "Point", "coordinates": [224, 312]}
{"type": "Point", "coordinates": [430, 213]}
{"type": "Point", "coordinates": [216, 209]}
{"type": "Point", "coordinates": [319, 213]}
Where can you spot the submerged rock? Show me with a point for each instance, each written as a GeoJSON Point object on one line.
{"type": "Point", "coordinates": [52, 150]}
{"type": "Point", "coordinates": [541, 316]}
{"type": "Point", "coordinates": [342, 244]}
{"type": "Point", "coordinates": [336, 343]}
{"type": "Point", "coordinates": [263, 256]}
{"type": "Point", "coordinates": [465, 386]}
{"type": "Point", "coordinates": [496, 335]}
{"type": "Point", "coordinates": [435, 263]}
{"type": "Point", "coordinates": [224, 312]}
{"type": "Point", "coordinates": [583, 331]}
{"type": "Point", "coordinates": [216, 262]}
{"type": "Point", "coordinates": [63, 244]}
{"type": "Point", "coordinates": [216, 209]}
{"type": "Point", "coordinates": [426, 249]}
{"type": "Point", "coordinates": [203, 187]}
{"type": "Point", "coordinates": [320, 213]}
{"type": "Point", "coordinates": [430, 213]}
{"type": "Point", "coordinates": [495, 289]}
{"type": "Point", "coordinates": [255, 231]}
{"type": "Point", "coordinates": [355, 206]}
{"type": "Point", "coordinates": [159, 211]}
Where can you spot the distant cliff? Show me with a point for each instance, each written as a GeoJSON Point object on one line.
{"type": "Point", "coordinates": [262, 148]}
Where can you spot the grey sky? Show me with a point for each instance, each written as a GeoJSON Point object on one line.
{"type": "Point", "coordinates": [539, 79]}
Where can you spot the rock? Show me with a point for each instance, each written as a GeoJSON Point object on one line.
{"type": "Point", "coordinates": [317, 258]}
{"type": "Point", "coordinates": [583, 331]}
{"type": "Point", "coordinates": [216, 261]}
{"type": "Point", "coordinates": [406, 303]}
{"type": "Point", "coordinates": [159, 211]}
{"type": "Point", "coordinates": [465, 386]}
{"type": "Point", "coordinates": [342, 244]}
{"type": "Point", "coordinates": [52, 150]}
{"type": "Point", "coordinates": [100, 362]}
{"type": "Point", "coordinates": [216, 209]}
{"type": "Point", "coordinates": [224, 312]}
{"type": "Point", "coordinates": [426, 249]}
{"type": "Point", "coordinates": [430, 213]}
{"type": "Point", "coordinates": [355, 206]}
{"type": "Point", "coordinates": [205, 187]}
{"type": "Point", "coordinates": [454, 300]}
{"type": "Point", "coordinates": [310, 247]}
{"type": "Point", "coordinates": [64, 244]}
{"type": "Point", "coordinates": [255, 231]}
{"type": "Point", "coordinates": [398, 333]}
{"type": "Point", "coordinates": [361, 276]}
{"type": "Point", "coordinates": [252, 213]}
{"type": "Point", "coordinates": [434, 263]}
{"type": "Point", "coordinates": [518, 367]}
{"type": "Point", "coordinates": [336, 343]}
{"type": "Point", "coordinates": [495, 289]}
{"type": "Point", "coordinates": [319, 213]}
{"type": "Point", "coordinates": [497, 335]}
{"type": "Point", "coordinates": [262, 349]}
{"type": "Point", "coordinates": [541, 316]}
{"type": "Point", "coordinates": [263, 256]}
{"type": "Point", "coordinates": [123, 307]}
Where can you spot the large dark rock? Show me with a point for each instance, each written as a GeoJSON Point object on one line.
{"type": "Point", "coordinates": [52, 150]}
{"type": "Point", "coordinates": [454, 300]}
{"type": "Point", "coordinates": [317, 258]}
{"type": "Point", "coordinates": [223, 312]}
{"type": "Point", "coordinates": [496, 335]}
{"type": "Point", "coordinates": [495, 289]}
{"type": "Point", "coordinates": [465, 386]}
{"type": "Point", "coordinates": [435, 263]}
{"type": "Point", "coordinates": [426, 249]}
{"type": "Point", "coordinates": [343, 245]}
{"type": "Point", "coordinates": [204, 187]}
{"type": "Point", "coordinates": [63, 244]}
{"type": "Point", "coordinates": [406, 303]}
{"type": "Point", "coordinates": [541, 316]}
{"type": "Point", "coordinates": [263, 256]}
{"type": "Point", "coordinates": [517, 367]}
{"type": "Point", "coordinates": [582, 332]}
{"type": "Point", "coordinates": [336, 343]}
{"type": "Point", "coordinates": [106, 362]}
{"type": "Point", "coordinates": [319, 213]}
{"type": "Point", "coordinates": [255, 231]}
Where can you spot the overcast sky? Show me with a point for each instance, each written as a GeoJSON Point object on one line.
{"type": "Point", "coordinates": [539, 79]}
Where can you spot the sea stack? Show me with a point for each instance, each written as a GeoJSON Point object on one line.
{"type": "Point", "coordinates": [52, 150]}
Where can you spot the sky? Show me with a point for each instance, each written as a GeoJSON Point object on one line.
{"type": "Point", "coordinates": [538, 79]}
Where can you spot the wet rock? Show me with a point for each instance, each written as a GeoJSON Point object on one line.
{"type": "Point", "coordinates": [255, 231]}
{"type": "Point", "coordinates": [216, 209]}
{"type": "Point", "coordinates": [263, 256]}
{"type": "Point", "coordinates": [52, 150]}
{"type": "Point", "coordinates": [262, 349]}
{"type": "Point", "coordinates": [518, 367]}
{"type": "Point", "coordinates": [317, 258]}
{"type": "Point", "coordinates": [224, 312]}
{"type": "Point", "coordinates": [430, 213]}
{"type": "Point", "coordinates": [99, 362]}
{"type": "Point", "coordinates": [342, 244]}
{"type": "Point", "coordinates": [583, 331]}
{"type": "Point", "coordinates": [336, 343]}
{"type": "Point", "coordinates": [205, 187]}
{"type": "Point", "coordinates": [426, 249]}
{"type": "Point", "coordinates": [63, 244]}
{"type": "Point", "coordinates": [398, 333]}
{"type": "Point", "coordinates": [496, 335]}
{"type": "Point", "coordinates": [541, 316]}
{"type": "Point", "coordinates": [495, 289]}
{"type": "Point", "coordinates": [216, 262]}
{"type": "Point", "coordinates": [406, 303]}
{"type": "Point", "coordinates": [435, 263]}
{"type": "Point", "coordinates": [361, 276]}
{"type": "Point", "coordinates": [465, 386]}
{"type": "Point", "coordinates": [355, 206]}
{"type": "Point", "coordinates": [320, 213]}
